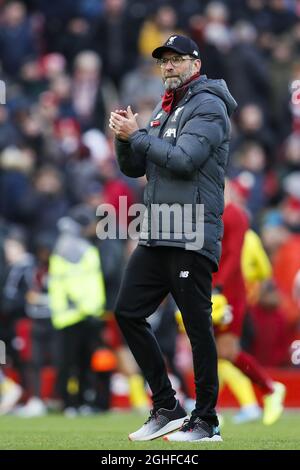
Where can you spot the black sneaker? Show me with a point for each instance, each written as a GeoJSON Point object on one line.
{"type": "Point", "coordinates": [160, 422]}
{"type": "Point", "coordinates": [195, 430]}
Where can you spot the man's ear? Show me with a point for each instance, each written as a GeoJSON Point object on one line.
{"type": "Point", "coordinates": [198, 64]}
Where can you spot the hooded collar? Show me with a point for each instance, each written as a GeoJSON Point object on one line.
{"type": "Point", "coordinates": [171, 98]}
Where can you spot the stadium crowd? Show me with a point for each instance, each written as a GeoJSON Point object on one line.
{"type": "Point", "coordinates": [66, 65]}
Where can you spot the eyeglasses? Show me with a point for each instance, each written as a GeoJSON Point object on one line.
{"type": "Point", "coordinates": [175, 60]}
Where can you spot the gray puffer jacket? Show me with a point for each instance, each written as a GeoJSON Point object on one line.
{"type": "Point", "coordinates": [184, 155]}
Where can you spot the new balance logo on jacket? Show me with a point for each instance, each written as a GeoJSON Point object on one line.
{"type": "Point", "coordinates": [170, 132]}
{"type": "Point", "coordinates": [184, 274]}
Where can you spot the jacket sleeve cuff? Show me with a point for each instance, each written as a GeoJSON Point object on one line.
{"type": "Point", "coordinates": [135, 137]}
{"type": "Point", "coordinates": [121, 141]}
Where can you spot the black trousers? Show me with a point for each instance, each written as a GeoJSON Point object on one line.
{"type": "Point", "coordinates": [44, 350]}
{"type": "Point", "coordinates": [150, 275]}
{"type": "Point", "coordinates": [76, 345]}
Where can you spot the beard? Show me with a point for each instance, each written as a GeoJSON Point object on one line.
{"type": "Point", "coordinates": [172, 83]}
{"type": "Point", "coordinates": [175, 81]}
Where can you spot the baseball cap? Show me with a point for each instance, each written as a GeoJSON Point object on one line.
{"type": "Point", "coordinates": [180, 44]}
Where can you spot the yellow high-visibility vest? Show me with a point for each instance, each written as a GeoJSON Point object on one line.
{"type": "Point", "coordinates": [76, 290]}
{"type": "Point", "coordinates": [255, 262]}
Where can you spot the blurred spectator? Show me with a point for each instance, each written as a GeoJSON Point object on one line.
{"type": "Point", "coordinates": [212, 35]}
{"type": "Point", "coordinates": [45, 203]}
{"type": "Point", "coordinates": [8, 132]}
{"type": "Point", "coordinates": [281, 65]}
{"type": "Point", "coordinates": [274, 233]}
{"type": "Point", "coordinates": [19, 266]}
{"type": "Point", "coordinates": [52, 65]}
{"type": "Point", "coordinates": [115, 39]}
{"type": "Point", "coordinates": [16, 29]}
{"type": "Point", "coordinates": [291, 155]}
{"type": "Point", "coordinates": [114, 187]}
{"type": "Point", "coordinates": [141, 86]}
{"type": "Point", "coordinates": [61, 86]}
{"type": "Point", "coordinates": [250, 172]}
{"type": "Point", "coordinates": [246, 62]}
{"type": "Point", "coordinates": [291, 185]}
{"type": "Point", "coordinates": [252, 125]}
{"type": "Point", "coordinates": [158, 29]}
{"type": "Point", "coordinates": [282, 19]}
{"type": "Point", "coordinates": [270, 337]}
{"type": "Point", "coordinates": [291, 213]}
{"type": "Point", "coordinates": [90, 93]}
{"type": "Point", "coordinates": [56, 14]}
{"type": "Point", "coordinates": [67, 134]}
{"type": "Point", "coordinates": [32, 80]}
{"type": "Point", "coordinates": [255, 11]}
{"type": "Point", "coordinates": [296, 36]}
{"type": "Point", "coordinates": [77, 37]}
{"type": "Point", "coordinates": [16, 166]}
{"type": "Point", "coordinates": [216, 31]}
{"type": "Point", "coordinates": [97, 144]}
{"type": "Point", "coordinates": [18, 276]}
{"type": "Point", "coordinates": [47, 112]}
{"type": "Point", "coordinates": [43, 338]}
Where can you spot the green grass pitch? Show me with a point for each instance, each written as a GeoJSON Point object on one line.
{"type": "Point", "coordinates": [109, 432]}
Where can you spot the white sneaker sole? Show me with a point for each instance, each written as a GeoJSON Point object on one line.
{"type": "Point", "coordinates": [170, 427]}
{"type": "Point", "coordinates": [205, 439]}
{"type": "Point", "coordinates": [211, 439]}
